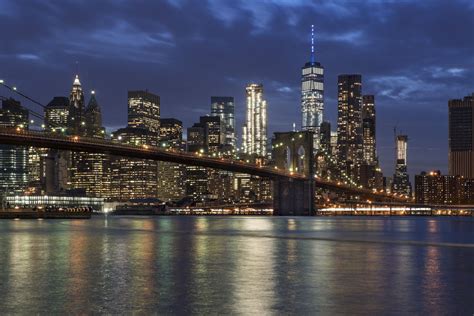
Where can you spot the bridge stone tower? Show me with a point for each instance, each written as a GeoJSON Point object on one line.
{"type": "Point", "coordinates": [293, 152]}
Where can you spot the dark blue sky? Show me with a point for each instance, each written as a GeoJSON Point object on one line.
{"type": "Point", "coordinates": [413, 55]}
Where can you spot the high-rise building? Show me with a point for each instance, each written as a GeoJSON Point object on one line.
{"type": "Point", "coordinates": [205, 137]}
{"type": "Point", "coordinates": [144, 110]}
{"type": "Point", "coordinates": [133, 178]}
{"type": "Point", "coordinates": [56, 114]}
{"type": "Point", "coordinates": [254, 134]}
{"type": "Point", "coordinates": [461, 137]}
{"type": "Point", "coordinates": [93, 118]}
{"type": "Point", "coordinates": [90, 172]}
{"type": "Point", "coordinates": [171, 175]}
{"type": "Point", "coordinates": [171, 133]}
{"type": "Point", "coordinates": [76, 120]}
{"type": "Point", "coordinates": [56, 162]}
{"type": "Point", "coordinates": [401, 181]}
{"type": "Point", "coordinates": [312, 95]}
{"type": "Point", "coordinates": [13, 159]}
{"type": "Point", "coordinates": [224, 108]}
{"type": "Point", "coordinates": [434, 188]}
{"type": "Point", "coordinates": [349, 125]}
{"type": "Point", "coordinates": [368, 129]}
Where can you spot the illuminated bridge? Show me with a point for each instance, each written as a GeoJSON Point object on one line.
{"type": "Point", "coordinates": [298, 189]}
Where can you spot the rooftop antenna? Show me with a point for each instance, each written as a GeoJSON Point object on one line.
{"type": "Point", "coordinates": [312, 43]}
{"type": "Point", "coordinates": [77, 67]}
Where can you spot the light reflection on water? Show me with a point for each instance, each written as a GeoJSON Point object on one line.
{"type": "Point", "coordinates": [238, 265]}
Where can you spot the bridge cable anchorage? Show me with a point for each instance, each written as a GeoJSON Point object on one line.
{"type": "Point", "coordinates": [35, 114]}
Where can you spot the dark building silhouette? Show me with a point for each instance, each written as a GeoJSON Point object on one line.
{"type": "Point", "coordinates": [461, 137]}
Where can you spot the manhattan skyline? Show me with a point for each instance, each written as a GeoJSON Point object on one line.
{"type": "Point", "coordinates": [405, 55]}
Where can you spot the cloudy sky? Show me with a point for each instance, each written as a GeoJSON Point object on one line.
{"type": "Point", "coordinates": [413, 55]}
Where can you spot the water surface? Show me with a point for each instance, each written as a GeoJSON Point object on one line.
{"type": "Point", "coordinates": [238, 265]}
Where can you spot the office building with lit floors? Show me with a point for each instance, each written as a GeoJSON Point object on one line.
{"type": "Point", "coordinates": [171, 176]}
{"type": "Point", "coordinates": [435, 188]}
{"type": "Point", "coordinates": [90, 172]}
{"type": "Point", "coordinates": [133, 178]}
{"type": "Point", "coordinates": [312, 95]}
{"type": "Point", "coordinates": [55, 178]}
{"type": "Point", "coordinates": [370, 173]}
{"type": "Point", "coordinates": [461, 137]}
{"type": "Point", "coordinates": [224, 108]}
{"type": "Point", "coordinates": [401, 180]}
{"type": "Point", "coordinates": [144, 110]}
{"type": "Point", "coordinates": [349, 126]}
{"type": "Point", "coordinates": [206, 137]}
{"type": "Point", "coordinates": [13, 159]}
{"type": "Point", "coordinates": [254, 132]}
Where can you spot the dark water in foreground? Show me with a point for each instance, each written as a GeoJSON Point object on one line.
{"type": "Point", "coordinates": [238, 265]}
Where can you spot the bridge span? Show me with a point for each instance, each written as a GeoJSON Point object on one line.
{"type": "Point", "coordinates": [300, 184]}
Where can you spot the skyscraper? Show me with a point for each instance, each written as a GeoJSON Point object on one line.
{"type": "Point", "coordinates": [171, 175]}
{"type": "Point", "coordinates": [137, 178]}
{"type": "Point", "coordinates": [224, 108]}
{"type": "Point", "coordinates": [368, 129]}
{"type": "Point", "coordinates": [312, 95]}
{"type": "Point", "coordinates": [90, 172]}
{"type": "Point", "coordinates": [461, 137]}
{"type": "Point", "coordinates": [204, 137]}
{"type": "Point", "coordinates": [56, 114]}
{"type": "Point", "coordinates": [254, 134]}
{"type": "Point", "coordinates": [56, 177]}
{"type": "Point", "coordinates": [349, 124]}
{"type": "Point", "coordinates": [13, 159]}
{"type": "Point", "coordinates": [401, 181]}
{"type": "Point", "coordinates": [93, 118]}
{"type": "Point", "coordinates": [133, 178]}
{"type": "Point", "coordinates": [76, 122]}
{"type": "Point", "coordinates": [144, 110]}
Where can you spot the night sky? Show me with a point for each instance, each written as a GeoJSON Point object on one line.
{"type": "Point", "coordinates": [413, 55]}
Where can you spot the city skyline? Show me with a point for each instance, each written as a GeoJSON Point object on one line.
{"type": "Point", "coordinates": [420, 82]}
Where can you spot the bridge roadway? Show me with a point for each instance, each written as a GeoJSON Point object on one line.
{"type": "Point", "coordinates": [22, 137]}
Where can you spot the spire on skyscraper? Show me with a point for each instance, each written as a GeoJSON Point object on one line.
{"type": "Point", "coordinates": [312, 44]}
{"type": "Point", "coordinates": [76, 81]}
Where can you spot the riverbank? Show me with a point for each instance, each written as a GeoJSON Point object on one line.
{"type": "Point", "coordinates": [44, 215]}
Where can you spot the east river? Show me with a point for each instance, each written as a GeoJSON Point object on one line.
{"type": "Point", "coordinates": [238, 265]}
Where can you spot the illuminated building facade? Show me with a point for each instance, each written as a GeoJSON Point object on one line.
{"type": "Point", "coordinates": [171, 133]}
{"type": "Point", "coordinates": [434, 188]}
{"type": "Point", "coordinates": [31, 201]}
{"type": "Point", "coordinates": [401, 181]}
{"type": "Point", "coordinates": [171, 175]}
{"type": "Point", "coordinates": [56, 114]}
{"type": "Point", "coordinates": [370, 173]}
{"type": "Point", "coordinates": [76, 120]}
{"type": "Point", "coordinates": [223, 107]}
{"type": "Point", "coordinates": [90, 172]}
{"type": "Point", "coordinates": [368, 129]}
{"type": "Point", "coordinates": [461, 137]}
{"type": "Point", "coordinates": [144, 110]}
{"type": "Point", "coordinates": [13, 159]}
{"type": "Point", "coordinates": [312, 95]}
{"type": "Point", "coordinates": [205, 137]}
{"type": "Point", "coordinates": [349, 125]}
{"type": "Point", "coordinates": [133, 178]}
{"type": "Point", "coordinates": [254, 135]}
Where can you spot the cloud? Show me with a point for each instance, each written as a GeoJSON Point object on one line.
{"type": "Point", "coordinates": [188, 50]}
{"type": "Point", "coordinates": [28, 56]}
